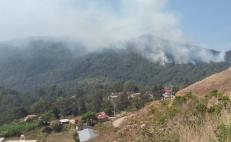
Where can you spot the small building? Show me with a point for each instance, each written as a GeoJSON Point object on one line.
{"type": "Point", "coordinates": [134, 95]}
{"type": "Point", "coordinates": [74, 121]}
{"type": "Point", "coordinates": [168, 93]}
{"type": "Point", "coordinates": [30, 118]}
{"type": "Point", "coordinates": [87, 134]}
{"type": "Point", "coordinates": [102, 116]}
{"type": "Point", "coordinates": [64, 121]}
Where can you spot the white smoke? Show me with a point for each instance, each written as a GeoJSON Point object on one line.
{"type": "Point", "coordinates": [164, 51]}
{"type": "Point", "coordinates": [97, 23]}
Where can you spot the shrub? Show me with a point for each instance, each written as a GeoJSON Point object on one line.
{"type": "Point", "coordinates": [201, 107]}
{"type": "Point", "coordinates": [14, 129]}
{"type": "Point", "coordinates": [56, 126]}
{"type": "Point", "coordinates": [224, 100]}
{"type": "Point", "coordinates": [89, 116]}
{"type": "Point", "coordinates": [47, 130]}
{"type": "Point", "coordinates": [215, 109]}
{"type": "Point", "coordinates": [48, 116]}
{"type": "Point", "coordinates": [189, 95]}
{"type": "Point", "coordinates": [223, 133]}
{"type": "Point", "coordinates": [216, 94]}
{"type": "Point", "coordinates": [179, 100]}
{"type": "Point", "coordinates": [170, 113]}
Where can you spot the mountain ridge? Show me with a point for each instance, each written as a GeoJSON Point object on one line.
{"type": "Point", "coordinates": [45, 63]}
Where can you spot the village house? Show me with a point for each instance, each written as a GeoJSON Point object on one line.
{"type": "Point", "coordinates": [87, 134]}
{"type": "Point", "coordinates": [134, 95]}
{"type": "Point", "coordinates": [168, 92]}
{"type": "Point", "coordinates": [29, 118]}
{"type": "Point", "coordinates": [74, 121]}
{"type": "Point", "coordinates": [64, 121]}
{"type": "Point", "coordinates": [102, 117]}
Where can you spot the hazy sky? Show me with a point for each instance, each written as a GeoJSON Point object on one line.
{"type": "Point", "coordinates": [205, 21]}
{"type": "Point", "coordinates": [96, 22]}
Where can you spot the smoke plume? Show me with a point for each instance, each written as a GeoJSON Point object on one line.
{"type": "Point", "coordinates": [98, 23]}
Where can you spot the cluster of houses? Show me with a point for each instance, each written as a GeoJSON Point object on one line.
{"type": "Point", "coordinates": [85, 132]}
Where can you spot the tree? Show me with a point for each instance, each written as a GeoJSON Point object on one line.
{"type": "Point", "coordinates": [89, 116]}
{"type": "Point", "coordinates": [56, 113]}
{"type": "Point", "coordinates": [157, 91]}
{"type": "Point", "coordinates": [123, 102]}
{"type": "Point", "coordinates": [137, 102]}
{"type": "Point", "coordinates": [107, 107]}
{"type": "Point", "coordinates": [56, 126]}
{"type": "Point", "coordinates": [130, 86]}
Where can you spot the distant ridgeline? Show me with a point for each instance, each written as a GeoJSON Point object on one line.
{"type": "Point", "coordinates": [43, 63]}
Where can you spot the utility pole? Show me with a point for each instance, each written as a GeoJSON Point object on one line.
{"type": "Point", "coordinates": [114, 106]}
{"type": "Point", "coordinates": [113, 98]}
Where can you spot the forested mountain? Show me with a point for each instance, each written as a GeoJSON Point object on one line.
{"type": "Point", "coordinates": [42, 63]}
{"type": "Point", "coordinates": [66, 78]}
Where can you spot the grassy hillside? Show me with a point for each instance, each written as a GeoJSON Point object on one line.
{"type": "Point", "coordinates": [198, 113]}
{"type": "Point", "coordinates": [183, 119]}
{"type": "Point", "coordinates": [219, 81]}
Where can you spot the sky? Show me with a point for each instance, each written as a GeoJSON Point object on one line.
{"type": "Point", "coordinates": [207, 22]}
{"type": "Point", "coordinates": [101, 22]}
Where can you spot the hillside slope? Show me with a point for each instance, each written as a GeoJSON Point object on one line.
{"type": "Point", "coordinates": [44, 63]}
{"type": "Point", "coordinates": [219, 81]}
{"type": "Point", "coordinates": [184, 118]}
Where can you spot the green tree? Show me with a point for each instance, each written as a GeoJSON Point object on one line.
{"type": "Point", "coordinates": [89, 116]}
{"type": "Point", "coordinates": [56, 126]}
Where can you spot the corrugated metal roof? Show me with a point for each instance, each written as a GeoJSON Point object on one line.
{"type": "Point", "coordinates": [87, 134]}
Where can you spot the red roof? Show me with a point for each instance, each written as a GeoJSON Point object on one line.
{"type": "Point", "coordinates": [102, 116]}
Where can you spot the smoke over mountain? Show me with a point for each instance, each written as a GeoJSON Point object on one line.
{"type": "Point", "coordinates": [99, 23]}
{"type": "Point", "coordinates": [164, 51]}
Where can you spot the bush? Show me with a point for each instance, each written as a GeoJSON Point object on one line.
{"type": "Point", "coordinates": [48, 116]}
{"type": "Point", "coordinates": [47, 130]}
{"type": "Point", "coordinates": [224, 100]}
{"type": "Point", "coordinates": [215, 109]}
{"type": "Point", "coordinates": [216, 94]}
{"type": "Point", "coordinates": [170, 113]}
{"type": "Point", "coordinates": [179, 100]}
{"type": "Point", "coordinates": [223, 133]}
{"type": "Point", "coordinates": [56, 126]}
{"type": "Point", "coordinates": [201, 107]}
{"type": "Point", "coordinates": [89, 116]}
{"type": "Point", "coordinates": [14, 129]}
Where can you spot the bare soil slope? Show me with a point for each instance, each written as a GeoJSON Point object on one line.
{"type": "Point", "coordinates": [219, 81]}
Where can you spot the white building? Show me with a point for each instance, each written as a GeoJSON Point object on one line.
{"type": "Point", "coordinates": [87, 134]}
{"type": "Point", "coordinates": [64, 121]}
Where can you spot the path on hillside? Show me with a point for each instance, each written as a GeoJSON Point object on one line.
{"type": "Point", "coordinates": [117, 123]}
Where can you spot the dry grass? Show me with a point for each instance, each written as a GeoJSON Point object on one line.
{"type": "Point", "coordinates": [205, 132]}
{"type": "Point", "coordinates": [220, 81]}
{"type": "Point", "coordinates": [169, 121]}
{"type": "Point", "coordinates": [65, 136]}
